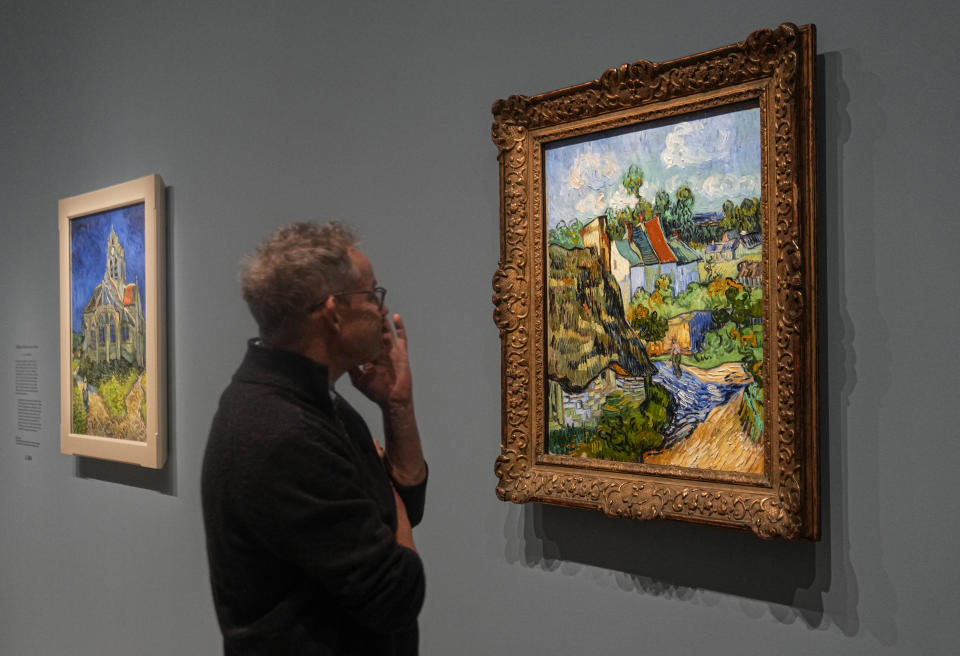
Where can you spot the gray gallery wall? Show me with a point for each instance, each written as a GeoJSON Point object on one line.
{"type": "Point", "coordinates": [260, 113]}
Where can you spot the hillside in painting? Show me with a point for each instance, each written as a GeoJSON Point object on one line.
{"type": "Point", "coordinates": [588, 329]}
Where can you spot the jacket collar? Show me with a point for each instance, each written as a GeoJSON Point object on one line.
{"type": "Point", "coordinates": [291, 371]}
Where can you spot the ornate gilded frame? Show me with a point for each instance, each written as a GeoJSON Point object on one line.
{"type": "Point", "coordinates": [776, 69]}
{"type": "Point", "coordinates": [149, 448]}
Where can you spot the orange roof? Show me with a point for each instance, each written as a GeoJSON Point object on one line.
{"type": "Point", "coordinates": [658, 241]}
{"type": "Point", "coordinates": [620, 371]}
{"type": "Point", "coordinates": [128, 294]}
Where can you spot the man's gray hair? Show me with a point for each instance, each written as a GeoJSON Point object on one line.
{"type": "Point", "coordinates": [296, 269]}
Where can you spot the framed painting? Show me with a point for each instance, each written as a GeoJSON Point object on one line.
{"type": "Point", "coordinates": [112, 338]}
{"type": "Point", "coordinates": [656, 291]}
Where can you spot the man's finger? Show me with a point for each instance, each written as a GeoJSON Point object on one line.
{"type": "Point", "coordinates": [401, 330]}
{"type": "Point", "coordinates": [388, 331]}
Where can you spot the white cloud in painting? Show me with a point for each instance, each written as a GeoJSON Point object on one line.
{"type": "Point", "coordinates": [695, 142]}
{"type": "Point", "coordinates": [591, 205]}
{"type": "Point", "coordinates": [621, 198]}
{"type": "Point", "coordinates": [675, 183]}
{"type": "Point", "coordinates": [732, 187]}
{"type": "Point", "coordinates": [593, 171]}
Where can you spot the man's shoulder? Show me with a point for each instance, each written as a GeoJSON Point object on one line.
{"type": "Point", "coordinates": [262, 434]}
{"type": "Point", "coordinates": [267, 415]}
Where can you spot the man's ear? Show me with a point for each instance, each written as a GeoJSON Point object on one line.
{"type": "Point", "coordinates": [329, 312]}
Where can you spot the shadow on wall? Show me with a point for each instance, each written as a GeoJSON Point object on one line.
{"type": "Point", "coordinates": [665, 558]}
{"type": "Point", "coordinates": [162, 480]}
{"type": "Point", "coordinates": [812, 582]}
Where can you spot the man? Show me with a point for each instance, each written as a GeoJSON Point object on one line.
{"type": "Point", "coordinates": [675, 357]}
{"type": "Point", "coordinates": [308, 520]}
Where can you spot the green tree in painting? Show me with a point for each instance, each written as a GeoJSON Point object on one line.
{"type": "Point", "coordinates": [664, 289]}
{"type": "Point", "coordinates": [731, 217]}
{"type": "Point", "coordinates": [615, 223]}
{"type": "Point", "coordinates": [632, 180]}
{"type": "Point", "coordinates": [744, 217]}
{"type": "Point", "coordinates": [648, 323]}
{"type": "Point", "coordinates": [683, 212]}
{"type": "Point", "coordinates": [749, 215]}
{"type": "Point", "coordinates": [643, 209]}
{"type": "Point", "coordinates": [677, 217]}
{"type": "Point", "coordinates": [727, 220]}
{"type": "Point", "coordinates": [566, 236]}
{"type": "Point", "coordinates": [661, 203]}
{"type": "Point", "coordinates": [626, 428]}
{"type": "Point", "coordinates": [736, 303]}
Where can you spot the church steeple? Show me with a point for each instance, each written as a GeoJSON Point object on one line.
{"type": "Point", "coordinates": [116, 260]}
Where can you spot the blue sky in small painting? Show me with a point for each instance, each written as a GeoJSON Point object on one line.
{"type": "Point", "coordinates": [717, 155]}
{"type": "Point", "coordinates": [88, 253]}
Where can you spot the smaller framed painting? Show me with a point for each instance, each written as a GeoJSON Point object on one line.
{"type": "Point", "coordinates": [656, 291]}
{"type": "Point", "coordinates": [112, 338]}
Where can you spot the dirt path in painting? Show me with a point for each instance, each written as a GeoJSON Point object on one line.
{"type": "Point", "coordinates": [731, 373]}
{"type": "Point", "coordinates": [719, 443]}
{"type": "Point", "coordinates": [128, 427]}
{"type": "Point", "coordinates": [98, 417]}
{"type": "Point", "coordinates": [131, 426]}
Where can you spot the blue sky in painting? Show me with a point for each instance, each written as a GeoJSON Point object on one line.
{"type": "Point", "coordinates": [717, 156]}
{"type": "Point", "coordinates": [88, 253]}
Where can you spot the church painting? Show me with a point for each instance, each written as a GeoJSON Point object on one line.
{"type": "Point", "coordinates": [108, 324]}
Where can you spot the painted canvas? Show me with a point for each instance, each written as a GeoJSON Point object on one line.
{"type": "Point", "coordinates": [654, 293]}
{"type": "Point", "coordinates": [108, 324]}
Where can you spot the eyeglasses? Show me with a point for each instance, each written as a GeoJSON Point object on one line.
{"type": "Point", "coordinates": [376, 294]}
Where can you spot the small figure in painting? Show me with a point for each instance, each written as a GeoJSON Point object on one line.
{"type": "Point", "coordinates": [675, 357]}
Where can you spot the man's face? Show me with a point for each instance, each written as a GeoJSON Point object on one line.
{"type": "Point", "coordinates": [364, 325]}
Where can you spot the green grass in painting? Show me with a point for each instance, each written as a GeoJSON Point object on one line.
{"type": "Point", "coordinates": [98, 373]}
{"type": "Point", "coordinates": [626, 429]}
{"type": "Point", "coordinates": [114, 392]}
{"type": "Point", "coordinates": [751, 411]}
{"type": "Point", "coordinates": [143, 399]}
{"type": "Point", "coordinates": [79, 419]}
{"type": "Point", "coordinates": [564, 441]}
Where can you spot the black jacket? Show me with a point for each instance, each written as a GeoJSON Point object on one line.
{"type": "Point", "coordinates": [300, 520]}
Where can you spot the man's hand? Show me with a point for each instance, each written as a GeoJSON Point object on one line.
{"type": "Point", "coordinates": [387, 381]}
{"type": "Point", "coordinates": [404, 533]}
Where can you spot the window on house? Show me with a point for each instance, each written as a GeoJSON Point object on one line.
{"type": "Point", "coordinates": [113, 333]}
{"type": "Point", "coordinates": [102, 335]}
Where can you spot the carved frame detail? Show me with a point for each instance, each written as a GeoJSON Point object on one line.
{"type": "Point", "coordinates": [774, 68]}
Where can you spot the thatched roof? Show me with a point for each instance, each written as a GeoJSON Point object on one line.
{"type": "Point", "coordinates": [588, 331]}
